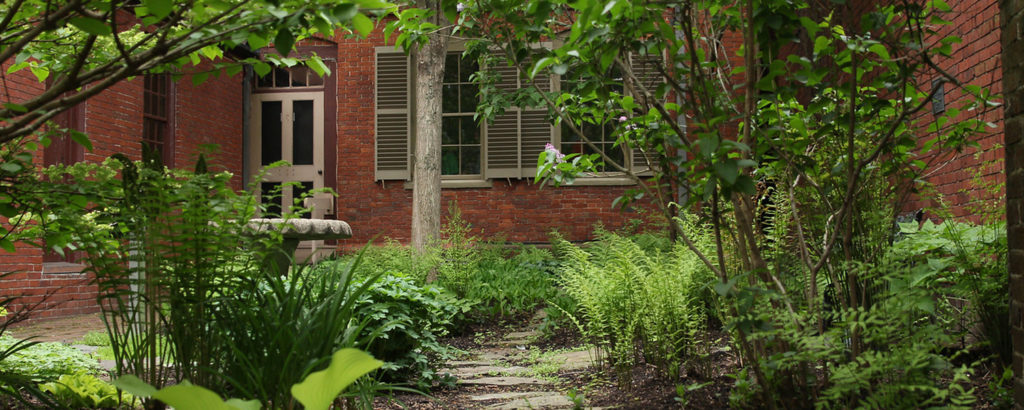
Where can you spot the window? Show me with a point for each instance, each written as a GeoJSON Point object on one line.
{"type": "Point", "coordinates": [600, 131]}
{"type": "Point", "coordinates": [508, 147]}
{"type": "Point", "coordinates": [156, 116]}
{"type": "Point", "coordinates": [460, 133]}
{"type": "Point", "coordinates": [290, 77]}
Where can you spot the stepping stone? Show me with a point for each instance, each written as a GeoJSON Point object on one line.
{"type": "Point", "coordinates": [541, 402]}
{"type": "Point", "coordinates": [511, 395]}
{"type": "Point", "coordinates": [85, 348]}
{"type": "Point", "coordinates": [464, 363]}
{"type": "Point", "coordinates": [522, 335]}
{"type": "Point", "coordinates": [108, 364]}
{"type": "Point", "coordinates": [493, 354]}
{"type": "Point", "coordinates": [485, 370]}
{"type": "Point", "coordinates": [506, 381]}
{"type": "Point", "coordinates": [509, 343]}
{"type": "Point", "coordinates": [574, 360]}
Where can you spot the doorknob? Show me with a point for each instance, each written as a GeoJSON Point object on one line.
{"type": "Point", "coordinates": [320, 172]}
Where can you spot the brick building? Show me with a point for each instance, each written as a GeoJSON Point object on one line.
{"type": "Point", "coordinates": [351, 131]}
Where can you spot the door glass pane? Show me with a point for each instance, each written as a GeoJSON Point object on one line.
{"type": "Point", "coordinates": [302, 133]}
{"type": "Point", "coordinates": [270, 197]}
{"type": "Point", "coordinates": [298, 191]}
{"type": "Point", "coordinates": [270, 126]}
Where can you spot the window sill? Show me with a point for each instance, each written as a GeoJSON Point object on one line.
{"type": "Point", "coordinates": [458, 184]}
{"type": "Point", "coordinates": [601, 181]}
{"type": "Point", "coordinates": [62, 268]}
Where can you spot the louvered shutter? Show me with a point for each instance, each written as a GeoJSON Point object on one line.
{"type": "Point", "coordinates": [392, 114]}
{"type": "Point", "coordinates": [645, 68]}
{"type": "Point", "coordinates": [517, 137]}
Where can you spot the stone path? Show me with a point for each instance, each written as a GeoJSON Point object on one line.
{"type": "Point", "coordinates": [508, 363]}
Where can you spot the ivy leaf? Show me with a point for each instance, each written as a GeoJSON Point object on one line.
{"type": "Point", "coordinates": [90, 25]}
{"type": "Point", "coordinates": [727, 171]}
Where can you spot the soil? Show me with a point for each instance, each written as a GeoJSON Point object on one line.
{"type": "Point", "coordinates": [65, 330]}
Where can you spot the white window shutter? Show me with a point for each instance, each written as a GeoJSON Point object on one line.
{"type": "Point", "coordinates": [392, 115]}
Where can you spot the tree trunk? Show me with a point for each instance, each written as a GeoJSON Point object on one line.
{"type": "Point", "coordinates": [426, 176]}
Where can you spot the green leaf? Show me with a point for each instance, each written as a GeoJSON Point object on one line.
{"type": "Point", "coordinates": [7, 245]}
{"type": "Point", "coordinates": [256, 41]}
{"type": "Point", "coordinates": [90, 25]}
{"type": "Point", "coordinates": [362, 24]}
{"type": "Point", "coordinates": [318, 66]}
{"type": "Point", "coordinates": [159, 8]}
{"type": "Point", "coordinates": [284, 41]}
{"type": "Point", "coordinates": [41, 73]}
{"type": "Point", "coordinates": [261, 68]}
{"type": "Point", "coordinates": [134, 385]}
{"type": "Point", "coordinates": [11, 167]}
{"type": "Point", "coordinates": [81, 139]}
{"type": "Point", "coordinates": [190, 397]}
{"type": "Point", "coordinates": [728, 171]}
{"type": "Point", "coordinates": [319, 389]}
{"type": "Point", "coordinates": [199, 78]}
{"type": "Point", "coordinates": [880, 50]}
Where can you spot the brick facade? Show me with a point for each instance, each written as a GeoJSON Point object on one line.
{"type": "Point", "coordinates": [207, 114]}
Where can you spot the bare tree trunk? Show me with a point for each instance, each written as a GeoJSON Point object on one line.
{"type": "Point", "coordinates": [426, 176]}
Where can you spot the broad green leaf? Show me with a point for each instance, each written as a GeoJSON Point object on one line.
{"type": "Point", "coordinates": [318, 66]}
{"type": "Point", "coordinates": [81, 139]}
{"type": "Point", "coordinates": [7, 245]}
{"type": "Point", "coordinates": [90, 25]}
{"type": "Point", "coordinates": [284, 41]}
{"type": "Point", "coordinates": [41, 73]}
{"type": "Point", "coordinates": [199, 78]}
{"type": "Point", "coordinates": [261, 68]}
{"type": "Point", "coordinates": [728, 171]}
{"type": "Point", "coordinates": [256, 41]}
{"type": "Point", "coordinates": [319, 389]}
{"type": "Point", "coordinates": [880, 50]}
{"type": "Point", "coordinates": [190, 397]}
{"type": "Point", "coordinates": [134, 385]}
{"type": "Point", "coordinates": [159, 8]}
{"type": "Point", "coordinates": [362, 24]}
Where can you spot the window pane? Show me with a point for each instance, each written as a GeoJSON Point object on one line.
{"type": "Point", "coordinates": [451, 68]}
{"type": "Point", "coordinates": [280, 77]}
{"type": "Point", "coordinates": [468, 67]}
{"type": "Point", "coordinates": [467, 94]}
{"type": "Point", "coordinates": [302, 133]}
{"type": "Point", "coordinates": [568, 135]}
{"type": "Point", "coordinates": [270, 196]}
{"type": "Point", "coordinates": [265, 81]}
{"type": "Point", "coordinates": [470, 131]}
{"type": "Point", "coordinates": [470, 160]}
{"type": "Point", "coordinates": [449, 161]}
{"type": "Point", "coordinates": [616, 154]}
{"type": "Point", "coordinates": [299, 76]}
{"type": "Point", "coordinates": [449, 130]}
{"type": "Point", "coordinates": [315, 79]}
{"type": "Point", "coordinates": [450, 98]}
{"type": "Point", "coordinates": [270, 128]}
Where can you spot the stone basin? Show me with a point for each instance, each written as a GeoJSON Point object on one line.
{"type": "Point", "coordinates": [296, 230]}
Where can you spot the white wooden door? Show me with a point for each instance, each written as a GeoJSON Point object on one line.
{"type": "Point", "coordinates": [289, 127]}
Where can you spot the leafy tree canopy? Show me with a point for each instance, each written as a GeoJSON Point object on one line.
{"type": "Point", "coordinates": [81, 47]}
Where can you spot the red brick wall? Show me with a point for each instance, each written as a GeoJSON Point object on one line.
{"type": "Point", "coordinates": [207, 114]}
{"type": "Point", "coordinates": [974, 61]}
{"type": "Point", "coordinates": [516, 209]}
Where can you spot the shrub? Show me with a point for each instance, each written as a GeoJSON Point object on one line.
{"type": "Point", "coordinates": [509, 287]}
{"type": "Point", "coordinates": [83, 390]}
{"type": "Point", "coordinates": [406, 321]}
{"type": "Point", "coordinates": [635, 302]}
{"type": "Point", "coordinates": [45, 361]}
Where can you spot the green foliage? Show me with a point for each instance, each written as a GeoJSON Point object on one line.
{"type": "Point", "coordinates": [275, 330]}
{"type": "Point", "coordinates": [395, 257]}
{"type": "Point", "coordinates": [406, 321]}
{"type": "Point", "coordinates": [637, 302]}
{"type": "Point", "coordinates": [315, 392]}
{"type": "Point", "coordinates": [83, 390]}
{"type": "Point", "coordinates": [458, 252]}
{"type": "Point", "coordinates": [971, 259]}
{"type": "Point", "coordinates": [95, 338]}
{"type": "Point", "coordinates": [515, 286]}
{"type": "Point", "coordinates": [45, 361]}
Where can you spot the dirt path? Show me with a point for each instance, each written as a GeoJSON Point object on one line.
{"type": "Point", "coordinates": [66, 330]}
{"type": "Point", "coordinates": [509, 371]}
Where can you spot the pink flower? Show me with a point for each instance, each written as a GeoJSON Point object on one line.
{"type": "Point", "coordinates": [459, 7]}
{"type": "Point", "coordinates": [622, 118]}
